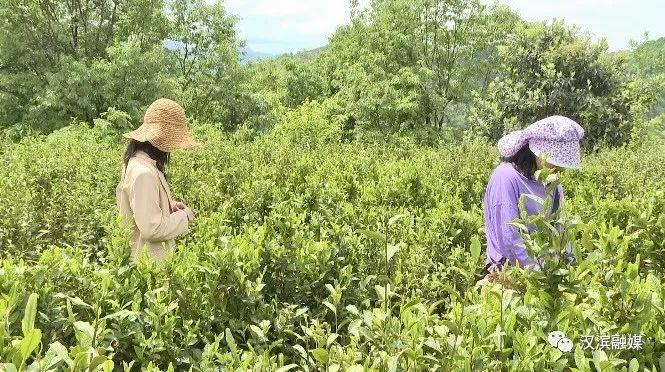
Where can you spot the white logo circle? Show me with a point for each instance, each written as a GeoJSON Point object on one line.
{"type": "Point", "coordinates": [554, 337]}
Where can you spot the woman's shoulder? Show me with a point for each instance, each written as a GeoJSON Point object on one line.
{"type": "Point", "coordinates": [505, 173]}
{"type": "Point", "coordinates": [504, 181]}
{"type": "Point", "coordinates": [137, 168]}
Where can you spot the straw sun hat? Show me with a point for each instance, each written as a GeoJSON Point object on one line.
{"type": "Point", "coordinates": [165, 127]}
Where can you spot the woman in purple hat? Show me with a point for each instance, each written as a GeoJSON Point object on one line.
{"type": "Point", "coordinates": [556, 139]}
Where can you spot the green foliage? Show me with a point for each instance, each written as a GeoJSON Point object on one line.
{"type": "Point", "coordinates": [47, 53]}
{"type": "Point", "coordinates": [68, 60]}
{"type": "Point", "coordinates": [647, 64]}
{"type": "Point", "coordinates": [325, 238]}
{"type": "Point", "coordinates": [310, 125]}
{"type": "Point", "coordinates": [17, 351]}
{"type": "Point", "coordinates": [648, 58]}
{"type": "Point", "coordinates": [48, 213]}
{"type": "Point", "coordinates": [206, 60]}
{"type": "Point", "coordinates": [310, 253]}
{"type": "Point", "coordinates": [294, 81]}
{"type": "Point", "coordinates": [411, 64]}
{"type": "Point", "coordinates": [551, 69]}
{"type": "Point", "coordinates": [78, 89]}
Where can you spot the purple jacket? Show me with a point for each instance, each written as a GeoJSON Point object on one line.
{"type": "Point", "coordinates": [501, 206]}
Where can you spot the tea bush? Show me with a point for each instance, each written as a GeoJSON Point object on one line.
{"type": "Point", "coordinates": [311, 254]}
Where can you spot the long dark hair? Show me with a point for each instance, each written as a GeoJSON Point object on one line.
{"type": "Point", "coordinates": [524, 160]}
{"type": "Point", "coordinates": [159, 156]}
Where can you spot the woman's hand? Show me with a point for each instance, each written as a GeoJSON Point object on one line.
{"type": "Point", "coordinates": [180, 206]}
{"type": "Point", "coordinates": [190, 214]}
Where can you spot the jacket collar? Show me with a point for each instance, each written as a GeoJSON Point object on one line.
{"type": "Point", "coordinates": [141, 155]}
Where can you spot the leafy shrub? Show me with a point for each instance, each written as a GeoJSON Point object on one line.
{"type": "Point", "coordinates": [549, 69]}
{"type": "Point", "coordinates": [325, 254]}
{"type": "Point", "coordinates": [308, 126]}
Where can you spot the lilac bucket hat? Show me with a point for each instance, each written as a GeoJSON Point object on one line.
{"type": "Point", "coordinates": [556, 138]}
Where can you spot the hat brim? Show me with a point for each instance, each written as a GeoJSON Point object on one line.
{"type": "Point", "coordinates": [511, 143]}
{"type": "Point", "coordinates": [570, 159]}
{"type": "Point", "coordinates": [182, 140]}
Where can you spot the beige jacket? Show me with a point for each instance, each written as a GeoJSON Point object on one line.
{"type": "Point", "coordinates": [143, 196]}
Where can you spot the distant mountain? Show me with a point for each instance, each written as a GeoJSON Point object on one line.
{"type": "Point", "coordinates": [246, 55]}
{"type": "Point", "coordinates": [249, 55]}
{"type": "Point", "coordinates": [309, 54]}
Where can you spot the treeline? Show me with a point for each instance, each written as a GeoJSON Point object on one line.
{"type": "Point", "coordinates": [424, 67]}
{"type": "Point", "coordinates": [61, 60]}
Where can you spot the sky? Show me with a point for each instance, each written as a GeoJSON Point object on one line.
{"type": "Point", "coordinates": [288, 26]}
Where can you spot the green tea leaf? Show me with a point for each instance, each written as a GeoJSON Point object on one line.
{"type": "Point", "coordinates": [352, 309]}
{"type": "Point", "coordinates": [600, 360]}
{"type": "Point", "coordinates": [330, 306]}
{"type": "Point", "coordinates": [411, 304]}
{"type": "Point", "coordinates": [331, 338]}
{"type": "Point", "coordinates": [28, 323]}
{"type": "Point", "coordinates": [230, 341]}
{"type": "Point", "coordinates": [257, 332]}
{"type": "Point", "coordinates": [380, 292]}
{"type": "Point", "coordinates": [108, 366]}
{"type": "Point", "coordinates": [301, 311]}
{"type": "Point", "coordinates": [74, 300]}
{"type": "Point", "coordinates": [321, 355]}
{"type": "Point", "coordinates": [392, 363]}
{"type": "Point", "coordinates": [395, 218]}
{"type": "Point", "coordinates": [374, 235]}
{"type": "Point", "coordinates": [475, 249]}
{"type": "Point", "coordinates": [60, 350]}
{"type": "Point", "coordinates": [97, 361]}
{"type": "Point", "coordinates": [302, 352]}
{"type": "Point", "coordinates": [29, 343]}
{"type": "Point", "coordinates": [8, 367]}
{"type": "Point", "coordinates": [581, 361]}
{"type": "Point", "coordinates": [391, 250]}
{"type": "Point", "coordinates": [84, 333]}
{"type": "Point", "coordinates": [634, 365]}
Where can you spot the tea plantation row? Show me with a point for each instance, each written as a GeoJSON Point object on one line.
{"type": "Point", "coordinates": [314, 254]}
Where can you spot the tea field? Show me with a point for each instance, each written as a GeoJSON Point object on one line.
{"type": "Point", "coordinates": [310, 254]}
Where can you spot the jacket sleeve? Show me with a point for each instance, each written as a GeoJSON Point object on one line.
{"type": "Point", "coordinates": [144, 201]}
{"type": "Point", "coordinates": [507, 236]}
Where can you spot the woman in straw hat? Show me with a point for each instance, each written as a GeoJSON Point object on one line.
{"type": "Point", "coordinates": [143, 195]}
{"type": "Point", "coordinates": [556, 139]}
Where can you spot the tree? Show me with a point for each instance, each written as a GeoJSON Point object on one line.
{"type": "Point", "coordinates": [407, 64]}
{"type": "Point", "coordinates": [61, 60]}
{"type": "Point", "coordinates": [47, 48]}
{"type": "Point", "coordinates": [292, 79]}
{"type": "Point", "coordinates": [549, 69]}
{"type": "Point", "coordinates": [647, 64]}
{"type": "Point", "coordinates": [206, 57]}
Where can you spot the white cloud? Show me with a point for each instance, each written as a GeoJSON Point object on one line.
{"type": "Point", "coordinates": [277, 26]}
{"type": "Point", "coordinates": [618, 21]}
{"type": "Point", "coordinates": [289, 22]}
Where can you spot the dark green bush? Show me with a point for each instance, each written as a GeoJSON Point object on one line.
{"type": "Point", "coordinates": [551, 69]}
